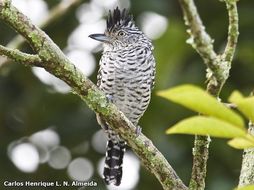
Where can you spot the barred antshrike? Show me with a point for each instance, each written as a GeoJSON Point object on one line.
{"type": "Point", "coordinates": [126, 75]}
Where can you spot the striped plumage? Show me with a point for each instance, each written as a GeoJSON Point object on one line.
{"type": "Point", "coordinates": [126, 75]}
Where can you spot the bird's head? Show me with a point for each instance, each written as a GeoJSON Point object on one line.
{"type": "Point", "coordinates": [121, 30]}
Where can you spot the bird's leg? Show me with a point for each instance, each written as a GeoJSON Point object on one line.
{"type": "Point", "coordinates": [138, 130]}
{"type": "Point", "coordinates": [109, 97]}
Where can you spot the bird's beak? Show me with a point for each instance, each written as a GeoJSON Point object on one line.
{"type": "Point", "coordinates": [99, 37]}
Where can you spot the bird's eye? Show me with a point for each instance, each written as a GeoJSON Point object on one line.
{"type": "Point", "coordinates": [121, 33]}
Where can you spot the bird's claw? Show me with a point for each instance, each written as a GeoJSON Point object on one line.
{"type": "Point", "coordinates": [138, 130]}
{"type": "Point", "coordinates": [110, 98]}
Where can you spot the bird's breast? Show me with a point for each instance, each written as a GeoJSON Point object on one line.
{"type": "Point", "coordinates": [126, 77]}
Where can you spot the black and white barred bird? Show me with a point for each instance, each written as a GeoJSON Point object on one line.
{"type": "Point", "coordinates": [126, 75]}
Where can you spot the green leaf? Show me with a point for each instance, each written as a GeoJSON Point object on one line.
{"type": "Point", "coordinates": [201, 125]}
{"type": "Point", "coordinates": [235, 96]}
{"type": "Point", "coordinates": [248, 187]}
{"type": "Point", "coordinates": [200, 101]}
{"type": "Point", "coordinates": [245, 105]}
{"type": "Point", "coordinates": [242, 143]}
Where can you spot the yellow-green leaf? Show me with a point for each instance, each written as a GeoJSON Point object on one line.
{"type": "Point", "coordinates": [201, 125]}
{"type": "Point", "coordinates": [241, 143]}
{"type": "Point", "coordinates": [200, 101]}
{"type": "Point", "coordinates": [245, 105]}
{"type": "Point", "coordinates": [235, 96]}
{"type": "Point", "coordinates": [248, 187]}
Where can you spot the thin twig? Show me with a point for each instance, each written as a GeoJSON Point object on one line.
{"type": "Point", "coordinates": [230, 105]}
{"type": "Point", "coordinates": [55, 14]}
{"type": "Point", "coordinates": [232, 31]}
{"type": "Point", "coordinates": [247, 170]}
{"type": "Point", "coordinates": [18, 56]}
{"type": "Point", "coordinates": [199, 39]}
{"type": "Point", "coordinates": [55, 62]}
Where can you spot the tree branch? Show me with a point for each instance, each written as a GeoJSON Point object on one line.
{"type": "Point", "coordinates": [199, 39]}
{"type": "Point", "coordinates": [218, 67]}
{"type": "Point", "coordinates": [247, 170]}
{"type": "Point", "coordinates": [55, 62]}
{"type": "Point", "coordinates": [18, 56]}
{"type": "Point", "coordinates": [232, 31]}
{"type": "Point", "coordinates": [55, 13]}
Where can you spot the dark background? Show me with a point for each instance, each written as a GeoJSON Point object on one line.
{"type": "Point", "coordinates": [27, 105]}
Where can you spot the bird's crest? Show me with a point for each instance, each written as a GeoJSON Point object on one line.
{"type": "Point", "coordinates": [118, 18]}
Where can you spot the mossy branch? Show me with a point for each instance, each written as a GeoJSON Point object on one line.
{"type": "Point", "coordinates": [55, 14]}
{"type": "Point", "coordinates": [18, 56]}
{"type": "Point", "coordinates": [218, 67]}
{"type": "Point", "coordinates": [54, 61]}
{"type": "Point", "coordinates": [247, 171]}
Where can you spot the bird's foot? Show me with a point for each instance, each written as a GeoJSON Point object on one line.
{"type": "Point", "coordinates": [138, 130]}
{"type": "Point", "coordinates": [110, 98]}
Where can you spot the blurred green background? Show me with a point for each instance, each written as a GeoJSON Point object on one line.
{"type": "Point", "coordinates": [28, 105]}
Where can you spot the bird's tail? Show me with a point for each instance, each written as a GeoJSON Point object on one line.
{"type": "Point", "coordinates": [113, 162]}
